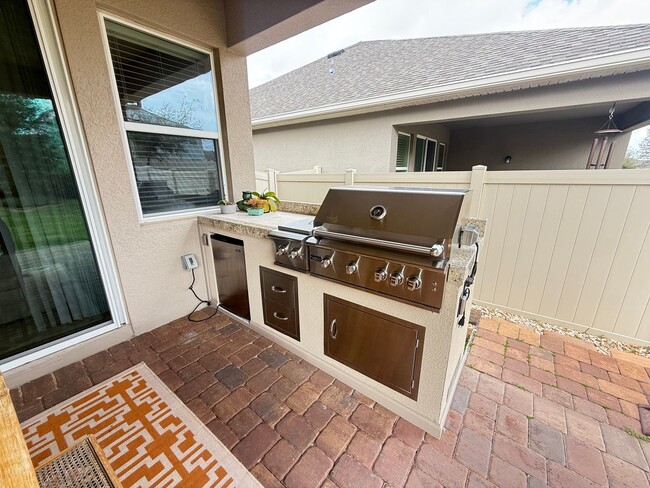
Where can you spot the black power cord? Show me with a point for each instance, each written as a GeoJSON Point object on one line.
{"type": "Point", "coordinates": [201, 302]}
{"type": "Point", "coordinates": [467, 286]}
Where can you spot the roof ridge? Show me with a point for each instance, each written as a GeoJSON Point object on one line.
{"type": "Point", "coordinates": [524, 31]}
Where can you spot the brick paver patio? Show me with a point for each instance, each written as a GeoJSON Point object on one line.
{"type": "Point", "coordinates": [530, 411]}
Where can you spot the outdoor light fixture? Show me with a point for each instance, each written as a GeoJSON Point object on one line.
{"type": "Point", "coordinates": [508, 159]}
{"type": "Point", "coordinates": [603, 144]}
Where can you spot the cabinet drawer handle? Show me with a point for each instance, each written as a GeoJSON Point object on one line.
{"type": "Point", "coordinates": [279, 317]}
{"type": "Point", "coordinates": [278, 289]}
{"type": "Point", "coordinates": [333, 329]}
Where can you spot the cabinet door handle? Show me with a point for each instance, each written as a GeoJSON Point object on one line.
{"type": "Point", "coordinates": [278, 289]}
{"type": "Point", "coordinates": [333, 329]}
{"type": "Point", "coordinates": [280, 317]}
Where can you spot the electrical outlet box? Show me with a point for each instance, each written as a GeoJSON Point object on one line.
{"type": "Point", "coordinates": [189, 262]}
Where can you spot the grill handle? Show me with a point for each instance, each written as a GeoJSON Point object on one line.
{"type": "Point", "coordinates": [400, 246]}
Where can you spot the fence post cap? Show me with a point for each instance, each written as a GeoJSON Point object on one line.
{"type": "Point", "coordinates": [479, 167]}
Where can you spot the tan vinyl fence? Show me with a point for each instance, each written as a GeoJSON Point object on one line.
{"type": "Point", "coordinates": [268, 180]}
{"type": "Point", "coordinates": [569, 247]}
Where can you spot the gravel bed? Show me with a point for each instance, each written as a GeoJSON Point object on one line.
{"type": "Point", "coordinates": [603, 344]}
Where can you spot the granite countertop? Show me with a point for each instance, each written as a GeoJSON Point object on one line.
{"type": "Point", "coordinates": [249, 225]}
{"type": "Point", "coordinates": [462, 258]}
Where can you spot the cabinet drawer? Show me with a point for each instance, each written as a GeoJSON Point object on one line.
{"type": "Point", "coordinates": [282, 318]}
{"type": "Point", "coordinates": [279, 287]}
{"type": "Point", "coordinates": [385, 348]}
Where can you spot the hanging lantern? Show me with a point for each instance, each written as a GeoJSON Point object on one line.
{"type": "Point", "coordinates": [603, 145]}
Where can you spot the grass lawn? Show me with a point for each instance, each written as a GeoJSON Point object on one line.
{"type": "Point", "coordinates": [57, 224]}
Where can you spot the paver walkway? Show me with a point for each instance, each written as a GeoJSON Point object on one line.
{"type": "Point", "coordinates": [530, 411]}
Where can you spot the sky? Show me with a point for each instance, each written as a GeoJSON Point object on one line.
{"type": "Point", "coordinates": [404, 19]}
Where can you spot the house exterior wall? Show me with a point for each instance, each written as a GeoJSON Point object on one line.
{"type": "Point", "coordinates": [562, 144]}
{"type": "Point", "coordinates": [362, 142]}
{"type": "Point", "coordinates": [147, 255]}
{"type": "Point", "coordinates": [367, 142]}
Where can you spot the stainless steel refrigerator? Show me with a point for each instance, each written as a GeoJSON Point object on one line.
{"type": "Point", "coordinates": [230, 268]}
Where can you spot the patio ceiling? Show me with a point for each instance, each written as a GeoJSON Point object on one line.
{"type": "Point", "coordinates": [253, 25]}
{"type": "Point", "coordinates": [629, 115]}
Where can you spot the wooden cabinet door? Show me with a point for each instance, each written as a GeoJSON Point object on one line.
{"type": "Point", "coordinates": [387, 349]}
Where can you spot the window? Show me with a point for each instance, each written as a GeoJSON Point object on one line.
{"type": "Point", "coordinates": [403, 147]}
{"type": "Point", "coordinates": [167, 98]}
{"type": "Point", "coordinates": [425, 154]}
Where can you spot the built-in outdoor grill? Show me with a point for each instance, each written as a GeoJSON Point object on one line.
{"type": "Point", "coordinates": [391, 241]}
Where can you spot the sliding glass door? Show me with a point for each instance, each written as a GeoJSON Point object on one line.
{"type": "Point", "coordinates": [50, 284]}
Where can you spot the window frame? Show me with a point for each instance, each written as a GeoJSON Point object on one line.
{"type": "Point", "coordinates": [127, 126]}
{"type": "Point", "coordinates": [424, 154]}
{"type": "Point", "coordinates": [443, 163]}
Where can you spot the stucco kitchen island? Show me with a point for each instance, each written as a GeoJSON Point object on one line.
{"type": "Point", "coordinates": [440, 343]}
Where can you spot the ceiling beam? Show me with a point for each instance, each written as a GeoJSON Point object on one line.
{"type": "Point", "coordinates": [636, 117]}
{"type": "Point", "coordinates": [253, 25]}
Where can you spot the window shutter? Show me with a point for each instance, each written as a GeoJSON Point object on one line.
{"type": "Point", "coordinates": [403, 146]}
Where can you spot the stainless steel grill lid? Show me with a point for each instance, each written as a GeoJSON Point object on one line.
{"type": "Point", "coordinates": [413, 216]}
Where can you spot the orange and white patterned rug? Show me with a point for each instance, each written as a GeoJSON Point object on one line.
{"type": "Point", "coordinates": [150, 438]}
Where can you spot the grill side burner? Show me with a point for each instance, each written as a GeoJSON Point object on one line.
{"type": "Point", "coordinates": [391, 241]}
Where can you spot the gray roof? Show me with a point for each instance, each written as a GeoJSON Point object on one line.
{"type": "Point", "coordinates": [379, 68]}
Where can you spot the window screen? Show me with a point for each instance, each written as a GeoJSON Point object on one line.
{"type": "Point", "coordinates": [167, 98]}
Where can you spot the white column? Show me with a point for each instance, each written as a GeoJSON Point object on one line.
{"type": "Point", "coordinates": [476, 185]}
{"type": "Point", "coordinates": [349, 176]}
{"type": "Point", "coordinates": [272, 180]}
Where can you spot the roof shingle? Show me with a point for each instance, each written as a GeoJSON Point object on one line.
{"type": "Point", "coordinates": [378, 68]}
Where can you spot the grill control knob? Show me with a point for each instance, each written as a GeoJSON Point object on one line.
{"type": "Point", "coordinates": [352, 267]}
{"type": "Point", "coordinates": [437, 250]}
{"type": "Point", "coordinates": [282, 250]}
{"type": "Point", "coordinates": [413, 283]}
{"type": "Point", "coordinates": [296, 253]}
{"type": "Point", "coordinates": [380, 275]}
{"type": "Point", "coordinates": [326, 262]}
{"type": "Point", "coordinates": [396, 278]}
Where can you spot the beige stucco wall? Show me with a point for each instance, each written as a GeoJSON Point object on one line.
{"type": "Point", "coordinates": [147, 255]}
{"type": "Point", "coordinates": [362, 142]}
{"type": "Point", "coordinates": [564, 144]}
{"type": "Point", "coordinates": [367, 142]}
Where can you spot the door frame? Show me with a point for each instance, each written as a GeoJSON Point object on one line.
{"type": "Point", "coordinates": [51, 49]}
